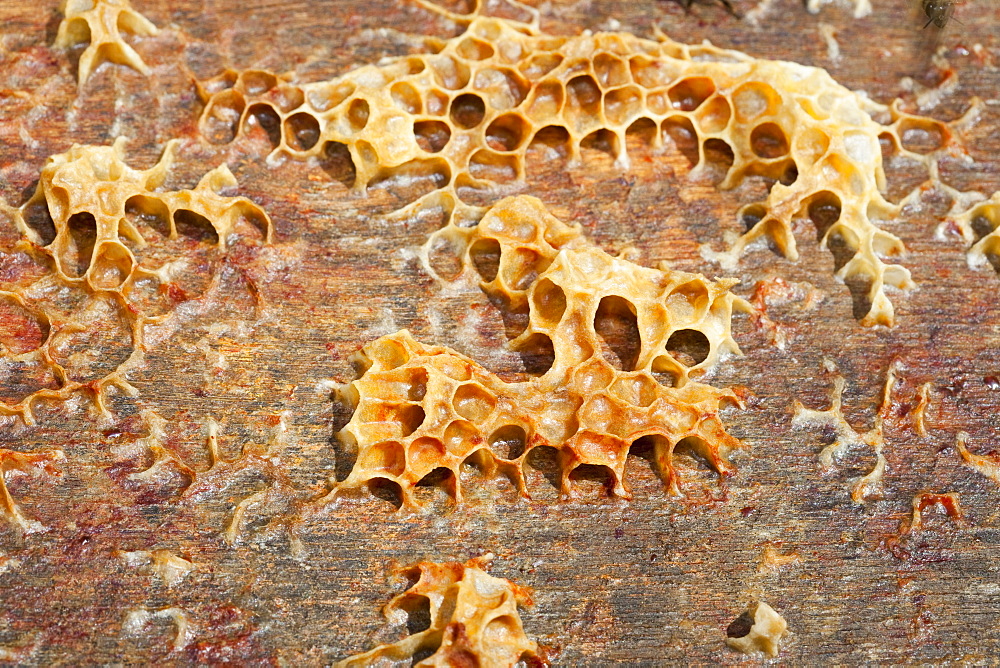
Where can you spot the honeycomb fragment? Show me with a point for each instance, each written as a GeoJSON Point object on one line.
{"type": "Point", "coordinates": [473, 620]}
{"type": "Point", "coordinates": [757, 631]}
{"type": "Point", "coordinates": [107, 255]}
{"type": "Point", "coordinates": [462, 118]}
{"type": "Point", "coordinates": [847, 437]}
{"type": "Point", "coordinates": [101, 23]}
{"type": "Point", "coordinates": [420, 409]}
{"type": "Point", "coordinates": [12, 461]}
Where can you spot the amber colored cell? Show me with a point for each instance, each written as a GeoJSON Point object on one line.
{"type": "Point", "coordinates": [468, 110]}
{"type": "Point", "coordinates": [301, 131]}
{"type": "Point", "coordinates": [507, 133]}
{"type": "Point", "coordinates": [622, 105]}
{"type": "Point", "coordinates": [502, 88]}
{"type": "Point", "coordinates": [583, 96]}
{"type": "Point", "coordinates": [546, 100]}
{"type": "Point", "coordinates": [549, 301]}
{"type": "Point", "coordinates": [473, 403]}
{"type": "Point", "coordinates": [714, 115]}
{"type": "Point", "coordinates": [539, 64]}
{"type": "Point", "coordinates": [689, 94]}
{"type": "Point", "coordinates": [357, 113]}
{"type": "Point", "coordinates": [611, 70]}
{"type": "Point", "coordinates": [406, 97]}
{"type": "Point", "coordinates": [768, 141]}
{"type": "Point", "coordinates": [472, 48]}
{"type": "Point", "coordinates": [432, 136]}
{"type": "Point", "coordinates": [387, 456]}
{"type": "Point", "coordinates": [451, 73]}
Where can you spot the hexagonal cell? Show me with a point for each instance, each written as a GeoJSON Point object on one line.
{"type": "Point", "coordinates": [502, 88]}
{"type": "Point", "coordinates": [473, 402]}
{"type": "Point", "coordinates": [301, 131]}
{"type": "Point", "coordinates": [611, 70]}
{"type": "Point", "coordinates": [432, 136]}
{"type": "Point", "coordinates": [755, 99]}
{"type": "Point", "coordinates": [507, 132]}
{"type": "Point", "coordinates": [460, 436]}
{"type": "Point", "coordinates": [387, 457]}
{"type": "Point", "coordinates": [450, 73]}
{"type": "Point", "coordinates": [768, 141]}
{"type": "Point", "coordinates": [468, 110]}
{"type": "Point", "coordinates": [617, 327]}
{"type": "Point", "coordinates": [508, 442]}
{"type": "Point", "coordinates": [639, 390]}
{"type": "Point", "coordinates": [690, 93]}
{"type": "Point", "coordinates": [622, 105]}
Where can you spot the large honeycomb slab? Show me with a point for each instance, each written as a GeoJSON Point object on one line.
{"type": "Point", "coordinates": [102, 253]}
{"type": "Point", "coordinates": [473, 620]}
{"type": "Point", "coordinates": [422, 409]}
{"type": "Point", "coordinates": [464, 115]}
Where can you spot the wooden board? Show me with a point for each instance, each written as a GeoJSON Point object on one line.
{"type": "Point", "coordinates": [647, 582]}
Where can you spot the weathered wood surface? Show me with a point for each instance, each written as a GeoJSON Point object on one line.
{"type": "Point", "coordinates": [651, 581]}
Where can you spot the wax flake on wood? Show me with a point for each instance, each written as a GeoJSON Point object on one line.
{"type": "Point", "coordinates": [167, 566]}
{"type": "Point", "coordinates": [100, 23]}
{"type": "Point", "coordinates": [847, 437]}
{"type": "Point", "coordinates": [138, 621]}
{"type": "Point", "coordinates": [862, 8]}
{"type": "Point", "coordinates": [948, 502]}
{"type": "Point", "coordinates": [105, 255]}
{"type": "Point", "coordinates": [988, 464]}
{"type": "Point", "coordinates": [472, 620]}
{"type": "Point", "coordinates": [22, 463]}
{"type": "Point", "coordinates": [424, 410]}
{"type": "Point", "coordinates": [777, 291]}
{"type": "Point", "coordinates": [772, 561]}
{"type": "Point", "coordinates": [21, 652]}
{"type": "Point", "coordinates": [914, 525]}
{"type": "Point", "coordinates": [757, 631]}
{"type": "Point", "coordinates": [920, 410]}
{"type": "Point", "coordinates": [462, 117]}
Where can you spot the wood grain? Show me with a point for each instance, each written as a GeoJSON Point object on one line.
{"type": "Point", "coordinates": [649, 582]}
